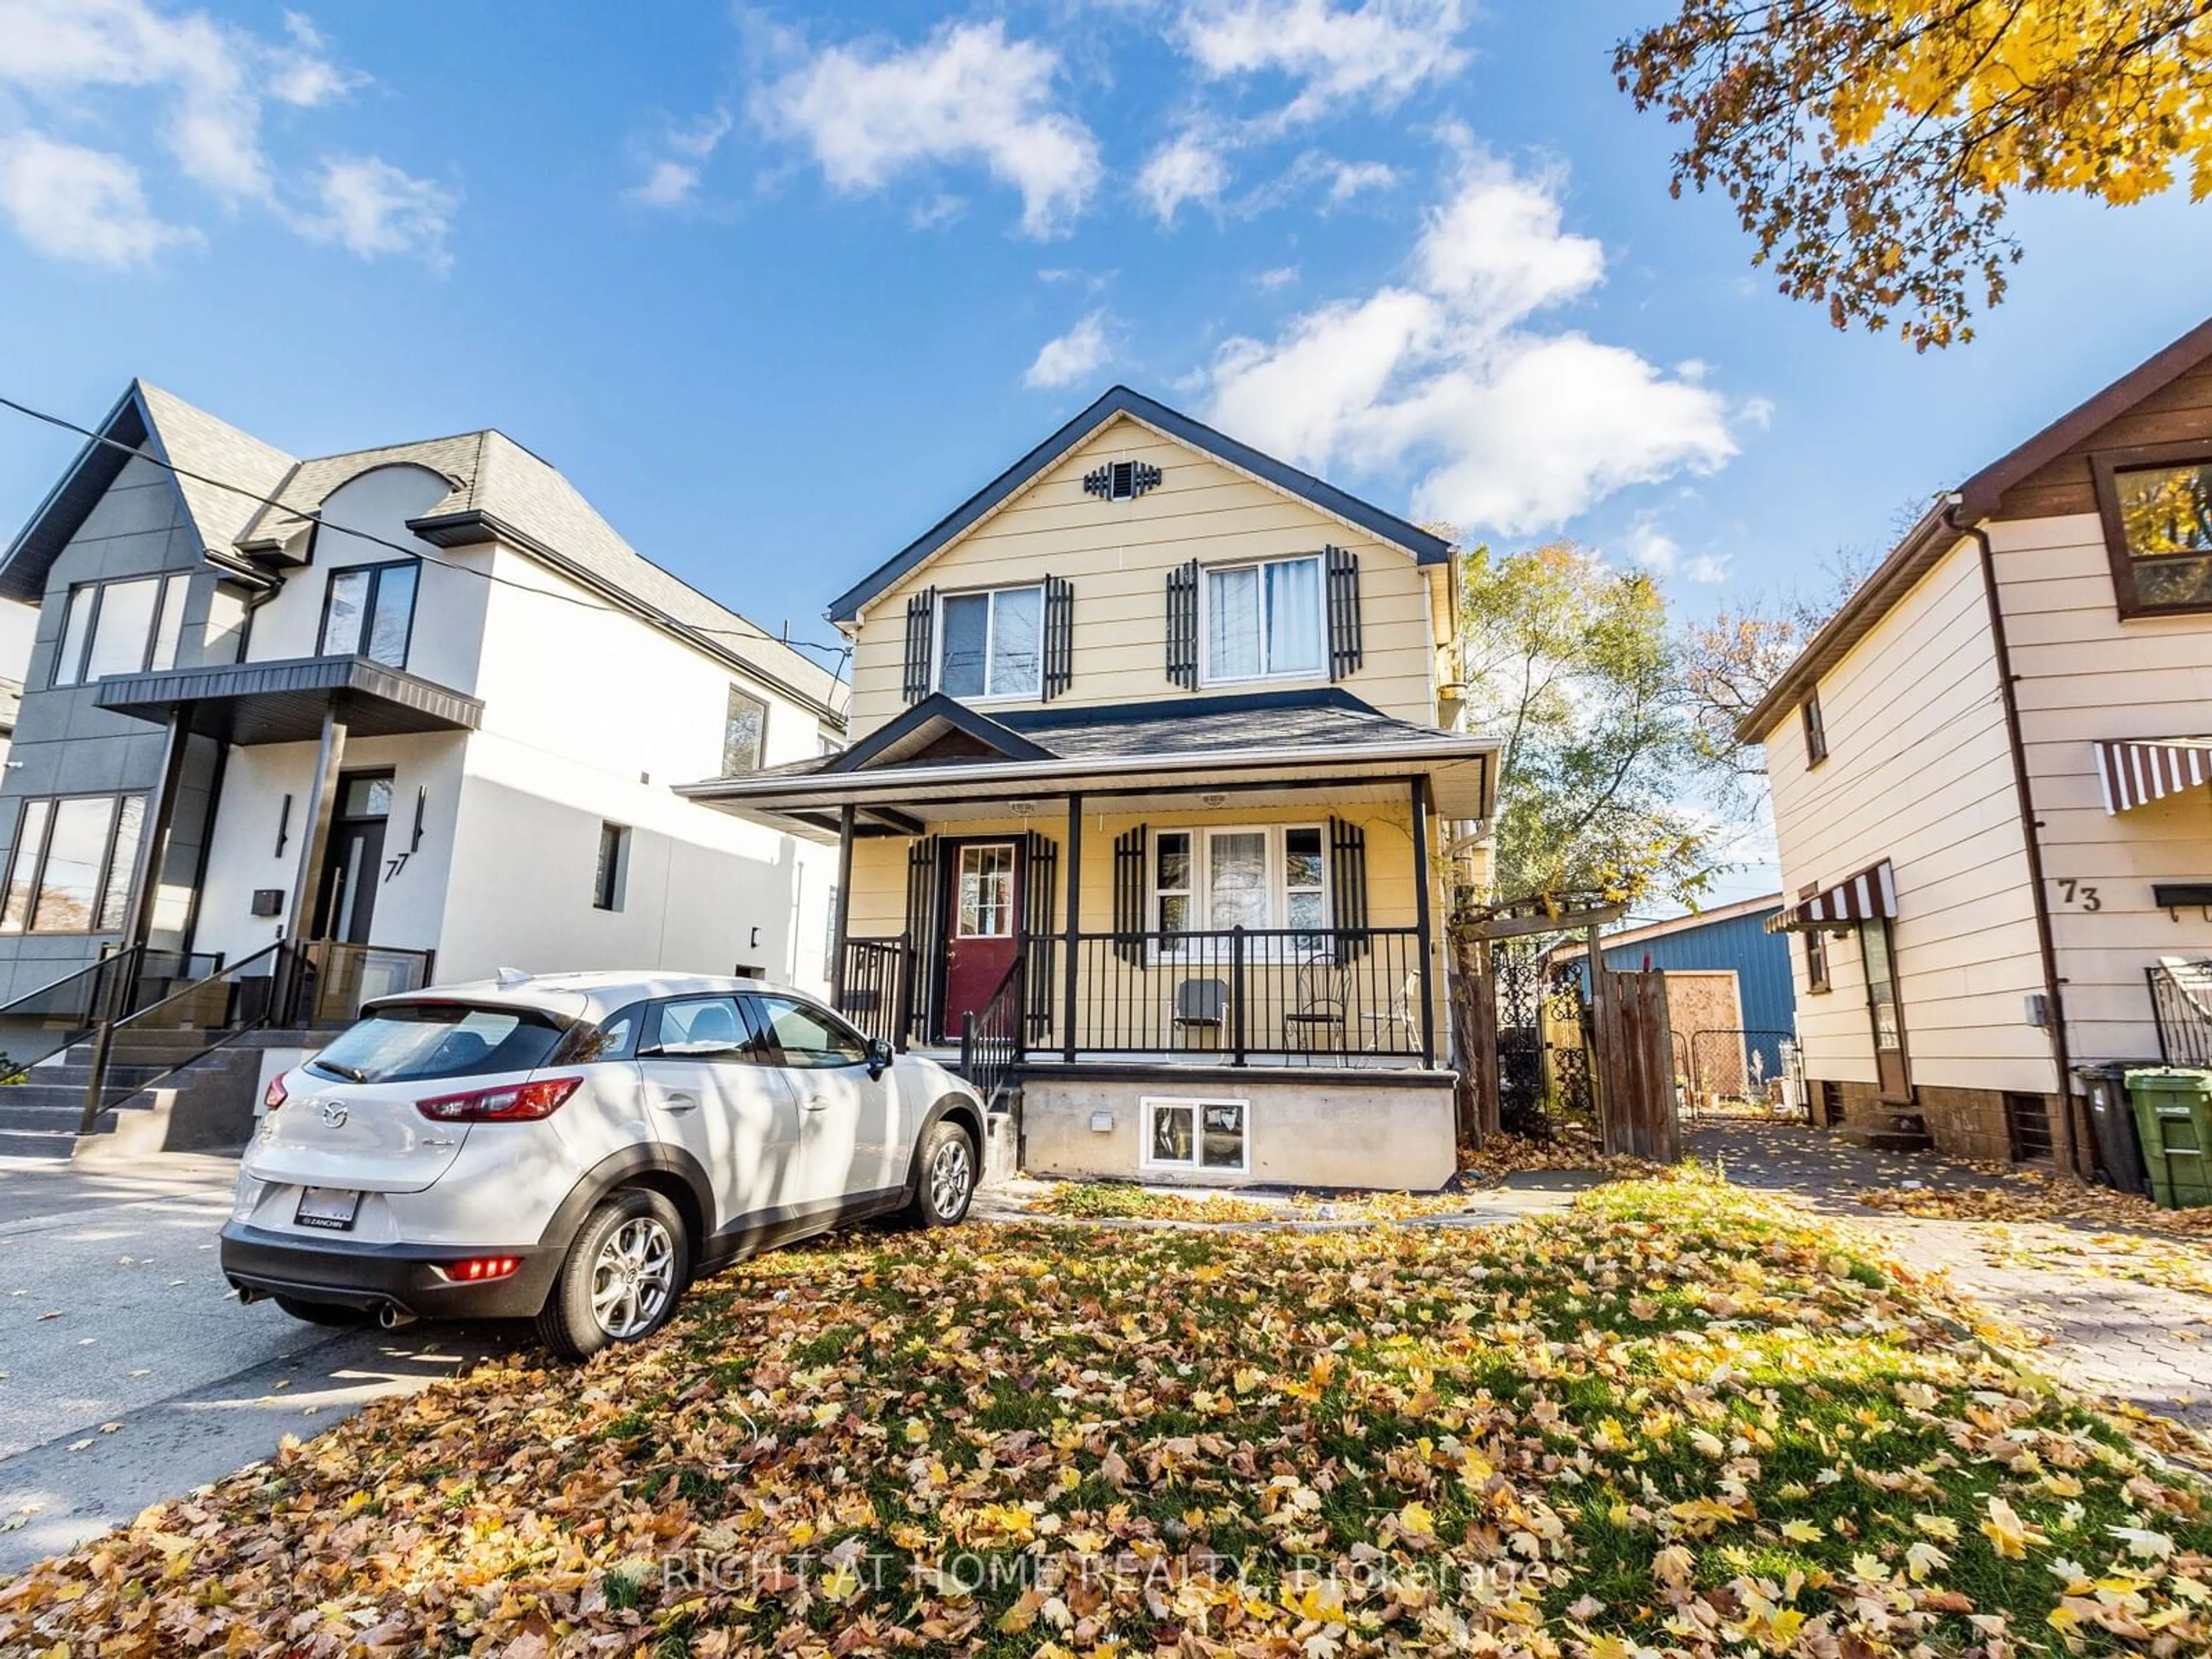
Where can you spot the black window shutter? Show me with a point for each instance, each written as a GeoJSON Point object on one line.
{"type": "Point", "coordinates": [1059, 636]}
{"type": "Point", "coordinates": [920, 643]}
{"type": "Point", "coordinates": [1039, 945]}
{"type": "Point", "coordinates": [1345, 654]}
{"type": "Point", "coordinates": [924, 947]}
{"type": "Point", "coordinates": [1182, 626]}
{"type": "Point", "coordinates": [1130, 897]}
{"type": "Point", "coordinates": [1347, 876]}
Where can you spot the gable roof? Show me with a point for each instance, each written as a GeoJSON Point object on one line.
{"type": "Point", "coordinates": [497, 487]}
{"type": "Point", "coordinates": [1944, 523]}
{"type": "Point", "coordinates": [1425, 546]}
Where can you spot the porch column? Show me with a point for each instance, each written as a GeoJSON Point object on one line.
{"type": "Point", "coordinates": [1074, 922]}
{"type": "Point", "coordinates": [322, 802]}
{"type": "Point", "coordinates": [1425, 925]}
{"type": "Point", "coordinates": [845, 816]}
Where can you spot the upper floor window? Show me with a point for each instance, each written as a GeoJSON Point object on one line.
{"type": "Point", "coordinates": [1264, 621]}
{"type": "Point", "coordinates": [2156, 501]}
{"type": "Point", "coordinates": [1816, 730]}
{"type": "Point", "coordinates": [368, 610]}
{"type": "Point", "coordinates": [744, 733]}
{"type": "Point", "coordinates": [124, 626]}
{"type": "Point", "coordinates": [73, 863]}
{"type": "Point", "coordinates": [993, 643]}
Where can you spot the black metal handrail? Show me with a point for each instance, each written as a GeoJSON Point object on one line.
{"type": "Point", "coordinates": [876, 990]}
{"type": "Point", "coordinates": [112, 987]}
{"type": "Point", "coordinates": [2181, 1004]}
{"type": "Point", "coordinates": [991, 1041]}
{"type": "Point", "coordinates": [214, 1009]}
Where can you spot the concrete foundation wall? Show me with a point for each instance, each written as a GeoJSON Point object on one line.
{"type": "Point", "coordinates": [1397, 1134]}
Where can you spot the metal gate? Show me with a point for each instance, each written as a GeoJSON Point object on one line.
{"type": "Point", "coordinates": [1543, 1042]}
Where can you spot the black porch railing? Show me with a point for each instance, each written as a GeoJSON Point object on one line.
{"type": "Point", "coordinates": [991, 1043]}
{"type": "Point", "coordinates": [875, 990]}
{"type": "Point", "coordinates": [61, 1013]}
{"type": "Point", "coordinates": [1237, 994]}
{"type": "Point", "coordinates": [2181, 1002]}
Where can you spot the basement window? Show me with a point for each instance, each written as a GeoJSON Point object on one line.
{"type": "Point", "coordinates": [1199, 1136]}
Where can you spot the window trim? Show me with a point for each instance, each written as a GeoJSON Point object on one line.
{"type": "Point", "coordinates": [1035, 693]}
{"type": "Point", "coordinates": [1147, 1105]}
{"type": "Point", "coordinates": [1206, 676]}
{"type": "Point", "coordinates": [101, 881]}
{"type": "Point", "coordinates": [166, 583]}
{"type": "Point", "coordinates": [2105, 466]}
{"type": "Point", "coordinates": [760, 743]}
{"type": "Point", "coordinates": [1819, 978]}
{"type": "Point", "coordinates": [1201, 866]}
{"type": "Point", "coordinates": [1815, 726]}
{"type": "Point", "coordinates": [368, 610]}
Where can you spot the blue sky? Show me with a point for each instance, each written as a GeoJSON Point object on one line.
{"type": "Point", "coordinates": [779, 285]}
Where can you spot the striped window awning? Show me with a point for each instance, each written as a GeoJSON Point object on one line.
{"type": "Point", "coordinates": [1869, 896]}
{"type": "Point", "coordinates": [2137, 771]}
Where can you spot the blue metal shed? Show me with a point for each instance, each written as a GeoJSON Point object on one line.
{"type": "Point", "coordinates": [1731, 936]}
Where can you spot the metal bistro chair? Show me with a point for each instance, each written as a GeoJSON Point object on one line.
{"type": "Point", "coordinates": [1322, 1009]}
{"type": "Point", "coordinates": [1403, 1014]}
{"type": "Point", "coordinates": [1201, 1005]}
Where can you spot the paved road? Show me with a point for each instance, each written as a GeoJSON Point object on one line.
{"type": "Point", "coordinates": [128, 1370]}
{"type": "Point", "coordinates": [2103, 1333]}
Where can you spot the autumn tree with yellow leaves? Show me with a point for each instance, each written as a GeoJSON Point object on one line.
{"type": "Point", "coordinates": [1872, 147]}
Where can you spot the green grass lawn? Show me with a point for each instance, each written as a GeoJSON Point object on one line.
{"type": "Point", "coordinates": [1675, 1419]}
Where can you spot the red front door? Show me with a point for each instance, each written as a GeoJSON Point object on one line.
{"type": "Point", "coordinates": [981, 904]}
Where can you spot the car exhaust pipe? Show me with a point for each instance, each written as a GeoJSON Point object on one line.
{"type": "Point", "coordinates": [247, 1296]}
{"type": "Point", "coordinates": [391, 1317]}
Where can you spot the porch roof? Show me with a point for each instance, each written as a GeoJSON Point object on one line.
{"type": "Point", "coordinates": [251, 703]}
{"type": "Point", "coordinates": [943, 759]}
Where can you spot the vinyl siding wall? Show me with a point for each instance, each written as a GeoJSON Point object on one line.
{"type": "Point", "coordinates": [1919, 772]}
{"type": "Point", "coordinates": [2085, 674]}
{"type": "Point", "coordinates": [1118, 554]}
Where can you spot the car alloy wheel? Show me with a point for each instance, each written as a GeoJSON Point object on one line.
{"type": "Point", "coordinates": [951, 1172]}
{"type": "Point", "coordinates": [634, 1276]}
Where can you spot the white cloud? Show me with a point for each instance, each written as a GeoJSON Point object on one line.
{"type": "Point", "coordinates": [1656, 551]}
{"type": "Point", "coordinates": [1185, 169]}
{"type": "Point", "coordinates": [672, 179]}
{"type": "Point", "coordinates": [1372, 55]}
{"type": "Point", "coordinates": [1347, 178]}
{"type": "Point", "coordinates": [1501, 427]}
{"type": "Point", "coordinates": [98, 61]}
{"type": "Point", "coordinates": [1075, 356]}
{"type": "Point", "coordinates": [70, 203]}
{"type": "Point", "coordinates": [966, 94]}
{"type": "Point", "coordinates": [1278, 277]}
{"type": "Point", "coordinates": [371, 208]}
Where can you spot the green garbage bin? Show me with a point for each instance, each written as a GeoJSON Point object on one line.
{"type": "Point", "coordinates": [2173, 1110]}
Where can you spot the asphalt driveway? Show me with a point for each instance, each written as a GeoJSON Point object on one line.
{"type": "Point", "coordinates": [128, 1369]}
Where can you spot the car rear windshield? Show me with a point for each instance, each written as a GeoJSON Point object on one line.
{"type": "Point", "coordinates": [410, 1041]}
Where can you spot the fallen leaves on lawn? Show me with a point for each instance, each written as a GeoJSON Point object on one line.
{"type": "Point", "coordinates": [1674, 1420]}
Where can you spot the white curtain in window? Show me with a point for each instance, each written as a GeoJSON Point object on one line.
{"type": "Point", "coordinates": [1236, 878]}
{"type": "Point", "coordinates": [1294, 617]}
{"type": "Point", "coordinates": [1015, 626]}
{"type": "Point", "coordinates": [1233, 623]}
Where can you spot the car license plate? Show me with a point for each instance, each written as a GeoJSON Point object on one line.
{"type": "Point", "coordinates": [327, 1207]}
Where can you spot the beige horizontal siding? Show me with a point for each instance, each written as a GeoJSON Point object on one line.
{"type": "Point", "coordinates": [2084, 675]}
{"type": "Point", "coordinates": [1919, 772]}
{"type": "Point", "coordinates": [1117, 556]}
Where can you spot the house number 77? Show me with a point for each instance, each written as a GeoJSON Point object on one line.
{"type": "Point", "coordinates": [2075, 892]}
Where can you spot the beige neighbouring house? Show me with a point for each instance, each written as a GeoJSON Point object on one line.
{"type": "Point", "coordinates": [1989, 774]}
{"type": "Point", "coordinates": [1154, 795]}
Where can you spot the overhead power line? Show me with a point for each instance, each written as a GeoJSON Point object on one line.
{"type": "Point", "coordinates": [843, 651]}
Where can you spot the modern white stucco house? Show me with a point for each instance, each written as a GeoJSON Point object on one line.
{"type": "Point", "coordinates": [428, 704]}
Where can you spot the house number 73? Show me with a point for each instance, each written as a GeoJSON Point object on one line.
{"type": "Point", "coordinates": [2075, 892]}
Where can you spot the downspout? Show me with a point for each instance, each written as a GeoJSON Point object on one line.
{"type": "Point", "coordinates": [2030, 828]}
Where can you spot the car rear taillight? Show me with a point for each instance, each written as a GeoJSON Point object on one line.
{"type": "Point", "coordinates": [478, 1268]}
{"type": "Point", "coordinates": [511, 1103]}
{"type": "Point", "coordinates": [275, 1098]}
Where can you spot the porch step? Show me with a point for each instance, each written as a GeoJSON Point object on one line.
{"type": "Point", "coordinates": [1889, 1129]}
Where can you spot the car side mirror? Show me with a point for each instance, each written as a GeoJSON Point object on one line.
{"type": "Point", "coordinates": [880, 1055]}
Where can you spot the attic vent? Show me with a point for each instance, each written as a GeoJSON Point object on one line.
{"type": "Point", "coordinates": [1120, 481]}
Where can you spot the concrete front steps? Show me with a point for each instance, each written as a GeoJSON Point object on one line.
{"type": "Point", "coordinates": [1888, 1129]}
{"type": "Point", "coordinates": [166, 1091]}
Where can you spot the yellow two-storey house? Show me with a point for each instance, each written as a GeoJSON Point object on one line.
{"type": "Point", "coordinates": [1149, 808]}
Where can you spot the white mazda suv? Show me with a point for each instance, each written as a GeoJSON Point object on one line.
{"type": "Point", "coordinates": [575, 1148]}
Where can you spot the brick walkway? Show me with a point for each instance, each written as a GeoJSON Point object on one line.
{"type": "Point", "coordinates": [2149, 1346]}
